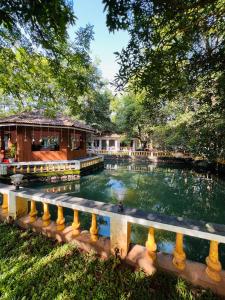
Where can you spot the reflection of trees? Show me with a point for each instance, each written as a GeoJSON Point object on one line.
{"type": "Point", "coordinates": [178, 192]}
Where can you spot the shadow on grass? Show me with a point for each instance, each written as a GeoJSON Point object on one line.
{"type": "Point", "coordinates": [34, 267]}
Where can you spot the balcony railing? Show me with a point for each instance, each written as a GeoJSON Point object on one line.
{"type": "Point", "coordinates": [15, 205]}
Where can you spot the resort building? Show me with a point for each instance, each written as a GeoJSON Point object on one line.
{"type": "Point", "coordinates": [113, 142]}
{"type": "Point", "coordinates": [31, 136]}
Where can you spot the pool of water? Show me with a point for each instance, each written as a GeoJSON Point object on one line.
{"type": "Point", "coordinates": [167, 190]}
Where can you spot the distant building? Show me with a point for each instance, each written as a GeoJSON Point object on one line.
{"type": "Point", "coordinates": [112, 142]}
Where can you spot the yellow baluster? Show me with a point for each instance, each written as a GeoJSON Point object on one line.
{"type": "Point", "coordinates": [28, 169]}
{"type": "Point", "coordinates": [21, 169]}
{"type": "Point", "coordinates": [33, 211]}
{"type": "Point", "coordinates": [179, 254]}
{"type": "Point", "coordinates": [53, 168]}
{"type": "Point", "coordinates": [5, 203]}
{"type": "Point", "coordinates": [60, 220]}
{"type": "Point", "coordinates": [46, 216]}
{"type": "Point", "coordinates": [213, 264]}
{"type": "Point", "coordinates": [41, 169]}
{"type": "Point", "coordinates": [150, 244]}
{"type": "Point", "coordinates": [76, 223]}
{"type": "Point", "coordinates": [94, 228]}
{"type": "Point", "coordinates": [35, 169]}
{"type": "Point", "coordinates": [14, 169]}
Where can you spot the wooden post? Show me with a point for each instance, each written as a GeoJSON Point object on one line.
{"type": "Point", "coordinates": [213, 264]}
{"type": "Point", "coordinates": [33, 211]}
{"type": "Point", "coordinates": [94, 228]}
{"type": "Point", "coordinates": [76, 223]}
{"type": "Point", "coordinates": [46, 216]}
{"type": "Point", "coordinates": [150, 244]}
{"type": "Point", "coordinates": [179, 254]}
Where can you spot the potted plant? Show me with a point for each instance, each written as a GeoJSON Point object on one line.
{"type": "Point", "coordinates": [12, 153]}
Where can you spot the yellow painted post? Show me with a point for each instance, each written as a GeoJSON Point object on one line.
{"type": "Point", "coordinates": [60, 220]}
{"type": "Point", "coordinates": [5, 203]}
{"type": "Point", "coordinates": [94, 228]}
{"type": "Point", "coordinates": [33, 211]}
{"type": "Point", "coordinates": [41, 169]}
{"type": "Point", "coordinates": [28, 169]}
{"type": "Point", "coordinates": [76, 223]}
{"type": "Point", "coordinates": [213, 264]}
{"type": "Point", "coordinates": [179, 254]}
{"type": "Point", "coordinates": [46, 216]}
{"type": "Point", "coordinates": [150, 244]}
{"type": "Point", "coordinates": [35, 169]}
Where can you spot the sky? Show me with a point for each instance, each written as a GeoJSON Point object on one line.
{"type": "Point", "coordinates": [105, 43]}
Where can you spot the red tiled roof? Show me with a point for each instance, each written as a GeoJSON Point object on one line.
{"type": "Point", "coordinates": [37, 118]}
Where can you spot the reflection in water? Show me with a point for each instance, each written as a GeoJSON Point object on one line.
{"type": "Point", "coordinates": [166, 190]}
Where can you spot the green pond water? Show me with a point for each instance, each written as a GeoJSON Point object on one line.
{"type": "Point", "coordinates": [166, 190]}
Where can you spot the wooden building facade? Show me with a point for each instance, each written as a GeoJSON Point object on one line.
{"type": "Point", "coordinates": [34, 137]}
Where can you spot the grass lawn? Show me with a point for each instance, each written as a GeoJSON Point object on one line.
{"type": "Point", "coordinates": [34, 267]}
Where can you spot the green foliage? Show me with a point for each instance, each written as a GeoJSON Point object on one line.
{"type": "Point", "coordinates": [30, 80]}
{"type": "Point", "coordinates": [95, 109]}
{"type": "Point", "coordinates": [176, 53]}
{"type": "Point", "coordinates": [131, 117]}
{"type": "Point", "coordinates": [36, 22]}
{"type": "Point", "coordinates": [34, 267]}
{"type": "Point", "coordinates": [13, 151]}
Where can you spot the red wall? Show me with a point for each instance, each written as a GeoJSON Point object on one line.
{"type": "Point", "coordinates": [24, 148]}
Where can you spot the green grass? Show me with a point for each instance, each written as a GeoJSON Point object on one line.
{"type": "Point", "coordinates": [35, 267]}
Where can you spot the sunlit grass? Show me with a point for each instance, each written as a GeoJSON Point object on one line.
{"type": "Point", "coordinates": [34, 267]}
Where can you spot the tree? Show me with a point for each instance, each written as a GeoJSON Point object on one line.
{"type": "Point", "coordinates": [36, 22]}
{"type": "Point", "coordinates": [132, 117]}
{"type": "Point", "coordinates": [176, 53]}
{"type": "Point", "coordinates": [30, 80]}
{"type": "Point", "coordinates": [95, 109]}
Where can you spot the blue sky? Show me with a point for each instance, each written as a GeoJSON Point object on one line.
{"type": "Point", "coordinates": [105, 43]}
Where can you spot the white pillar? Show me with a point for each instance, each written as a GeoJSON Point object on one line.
{"type": "Point", "coordinates": [134, 144]}
{"type": "Point", "coordinates": [100, 144]}
{"type": "Point", "coordinates": [118, 145]}
{"type": "Point", "coordinates": [120, 231]}
{"type": "Point", "coordinates": [107, 144]}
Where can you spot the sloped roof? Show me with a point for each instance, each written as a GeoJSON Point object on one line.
{"type": "Point", "coordinates": [38, 118]}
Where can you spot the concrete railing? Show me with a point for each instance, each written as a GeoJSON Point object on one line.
{"type": "Point", "coordinates": [15, 205]}
{"type": "Point", "coordinates": [149, 154]}
{"type": "Point", "coordinates": [48, 166]}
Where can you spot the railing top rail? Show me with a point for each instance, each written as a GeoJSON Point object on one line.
{"type": "Point", "coordinates": [200, 229]}
{"type": "Point", "coordinates": [53, 162]}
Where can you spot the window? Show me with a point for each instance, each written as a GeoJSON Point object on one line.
{"type": "Point", "coordinates": [77, 142]}
{"type": "Point", "coordinates": [46, 144]}
{"type": "Point", "coordinates": [96, 143]}
{"type": "Point", "coordinates": [103, 144]}
{"type": "Point", "coordinates": [111, 143]}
